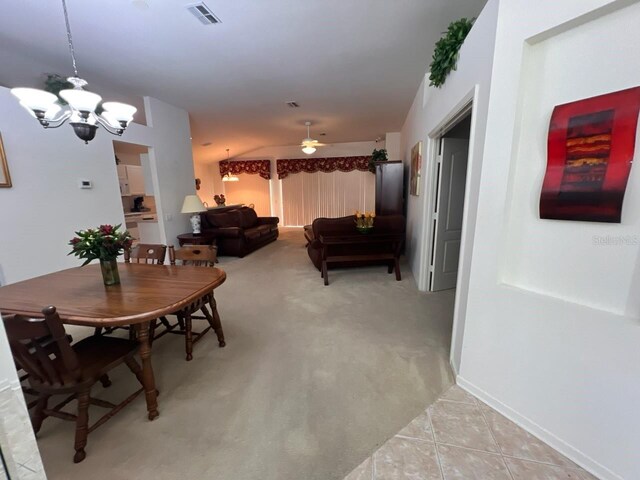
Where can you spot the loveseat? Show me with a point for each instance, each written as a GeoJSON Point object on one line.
{"type": "Point", "coordinates": [239, 231]}
{"type": "Point", "coordinates": [392, 224]}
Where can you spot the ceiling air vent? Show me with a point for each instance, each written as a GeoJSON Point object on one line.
{"type": "Point", "coordinates": [292, 104]}
{"type": "Point", "coordinates": [204, 14]}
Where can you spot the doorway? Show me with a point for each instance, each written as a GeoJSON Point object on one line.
{"type": "Point", "coordinates": [137, 191]}
{"type": "Point", "coordinates": [448, 207]}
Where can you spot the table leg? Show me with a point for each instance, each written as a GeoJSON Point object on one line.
{"type": "Point", "coordinates": [188, 336]}
{"type": "Point", "coordinates": [397, 265]}
{"type": "Point", "coordinates": [325, 273]}
{"type": "Point", "coordinates": [147, 370]}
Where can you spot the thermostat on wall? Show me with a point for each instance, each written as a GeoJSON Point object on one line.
{"type": "Point", "coordinates": [83, 183]}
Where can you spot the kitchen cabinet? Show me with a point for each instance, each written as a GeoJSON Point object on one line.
{"type": "Point", "coordinates": [136, 180]}
{"type": "Point", "coordinates": [131, 180]}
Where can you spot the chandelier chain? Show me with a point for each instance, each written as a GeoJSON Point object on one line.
{"type": "Point", "coordinates": [69, 38]}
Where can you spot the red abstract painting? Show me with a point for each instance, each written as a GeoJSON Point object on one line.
{"type": "Point", "coordinates": [590, 150]}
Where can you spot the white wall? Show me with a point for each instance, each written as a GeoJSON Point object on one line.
{"type": "Point", "coordinates": [207, 175]}
{"type": "Point", "coordinates": [251, 189]}
{"type": "Point", "coordinates": [40, 213]}
{"type": "Point", "coordinates": [432, 108]}
{"type": "Point", "coordinates": [550, 319]}
{"type": "Point", "coordinates": [556, 344]}
{"type": "Point", "coordinates": [393, 145]}
{"type": "Point", "coordinates": [171, 164]}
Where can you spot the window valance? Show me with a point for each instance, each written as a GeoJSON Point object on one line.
{"type": "Point", "coordinates": [285, 167]}
{"type": "Point", "coordinates": [235, 167]}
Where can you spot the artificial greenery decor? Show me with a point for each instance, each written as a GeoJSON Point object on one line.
{"type": "Point", "coordinates": [377, 156]}
{"type": "Point", "coordinates": [445, 55]}
{"type": "Point", "coordinates": [53, 83]}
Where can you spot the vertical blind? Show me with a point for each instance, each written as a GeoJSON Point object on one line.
{"type": "Point", "coordinates": [307, 196]}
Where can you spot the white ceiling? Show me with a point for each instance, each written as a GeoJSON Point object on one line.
{"type": "Point", "coordinates": [353, 65]}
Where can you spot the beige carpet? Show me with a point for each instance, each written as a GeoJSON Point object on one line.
{"type": "Point", "coordinates": [313, 379]}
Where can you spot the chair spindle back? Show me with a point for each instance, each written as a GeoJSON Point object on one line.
{"type": "Point", "coordinates": [196, 255]}
{"type": "Point", "coordinates": [149, 253]}
{"type": "Point", "coordinates": [24, 336]}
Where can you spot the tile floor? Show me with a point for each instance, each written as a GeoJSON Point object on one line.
{"type": "Point", "coordinates": [459, 437]}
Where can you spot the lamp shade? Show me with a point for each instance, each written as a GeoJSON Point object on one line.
{"type": "Point", "coordinates": [120, 111]}
{"type": "Point", "coordinates": [192, 204]}
{"type": "Point", "coordinates": [34, 99]}
{"type": "Point", "coordinates": [81, 100]}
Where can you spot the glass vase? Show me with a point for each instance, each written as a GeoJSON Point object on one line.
{"type": "Point", "coordinates": [110, 274]}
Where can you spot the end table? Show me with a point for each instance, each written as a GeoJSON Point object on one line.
{"type": "Point", "coordinates": [196, 239]}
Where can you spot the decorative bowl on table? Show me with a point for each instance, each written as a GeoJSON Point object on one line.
{"type": "Point", "coordinates": [364, 221]}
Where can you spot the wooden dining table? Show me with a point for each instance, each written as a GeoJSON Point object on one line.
{"type": "Point", "coordinates": [145, 293]}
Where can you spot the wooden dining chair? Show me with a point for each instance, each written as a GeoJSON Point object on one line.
{"type": "Point", "coordinates": [47, 344]}
{"type": "Point", "coordinates": [147, 253]}
{"type": "Point", "coordinates": [67, 369]}
{"type": "Point", "coordinates": [201, 256]}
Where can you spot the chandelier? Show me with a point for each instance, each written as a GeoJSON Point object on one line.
{"type": "Point", "coordinates": [227, 177]}
{"type": "Point", "coordinates": [81, 104]}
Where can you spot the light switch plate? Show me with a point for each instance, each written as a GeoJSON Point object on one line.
{"type": "Point", "coordinates": [83, 183]}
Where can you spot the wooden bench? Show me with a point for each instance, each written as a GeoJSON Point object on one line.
{"type": "Point", "coordinates": [389, 245]}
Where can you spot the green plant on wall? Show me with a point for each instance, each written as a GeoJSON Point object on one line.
{"type": "Point", "coordinates": [378, 155]}
{"type": "Point", "coordinates": [445, 55]}
{"type": "Point", "coordinates": [53, 83]}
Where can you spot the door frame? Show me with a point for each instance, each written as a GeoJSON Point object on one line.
{"type": "Point", "coordinates": [468, 102]}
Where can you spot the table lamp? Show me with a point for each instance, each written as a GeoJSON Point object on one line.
{"type": "Point", "coordinates": [192, 204]}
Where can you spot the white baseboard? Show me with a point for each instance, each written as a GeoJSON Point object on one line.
{"type": "Point", "coordinates": [453, 367]}
{"type": "Point", "coordinates": [536, 430]}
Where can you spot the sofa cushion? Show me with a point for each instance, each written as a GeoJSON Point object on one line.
{"type": "Point", "coordinates": [252, 233]}
{"type": "Point", "coordinates": [264, 229]}
{"type": "Point", "coordinates": [247, 217]}
{"type": "Point", "coordinates": [220, 220]}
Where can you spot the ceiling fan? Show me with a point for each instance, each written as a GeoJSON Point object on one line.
{"type": "Point", "coordinates": [309, 144]}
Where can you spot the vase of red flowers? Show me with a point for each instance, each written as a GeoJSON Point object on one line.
{"type": "Point", "coordinates": [105, 243]}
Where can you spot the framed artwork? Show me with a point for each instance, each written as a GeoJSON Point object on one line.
{"type": "Point", "coordinates": [5, 178]}
{"type": "Point", "coordinates": [416, 164]}
{"type": "Point", "coordinates": [589, 154]}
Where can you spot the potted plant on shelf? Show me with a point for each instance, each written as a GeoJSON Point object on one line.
{"type": "Point", "coordinates": [378, 155]}
{"type": "Point", "coordinates": [105, 243]}
{"type": "Point", "coordinates": [364, 221]}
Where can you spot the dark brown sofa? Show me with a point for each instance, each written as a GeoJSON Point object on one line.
{"type": "Point", "coordinates": [346, 226]}
{"type": "Point", "coordinates": [240, 231]}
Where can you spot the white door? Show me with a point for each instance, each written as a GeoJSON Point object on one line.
{"type": "Point", "coordinates": [452, 167]}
